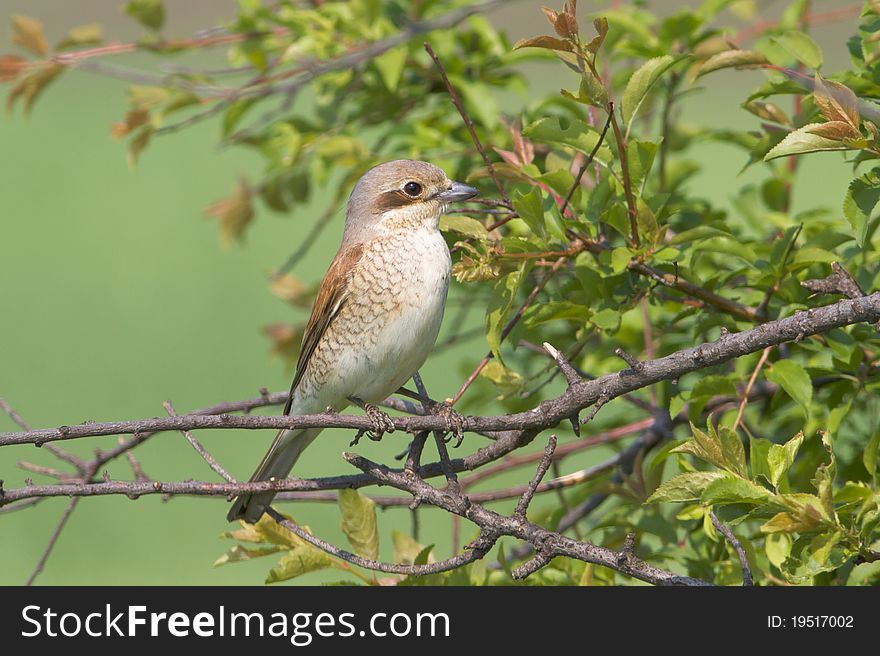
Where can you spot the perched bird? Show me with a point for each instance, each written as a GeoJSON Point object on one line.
{"type": "Point", "coordinates": [377, 312]}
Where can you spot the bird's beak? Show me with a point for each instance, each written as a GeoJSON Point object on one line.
{"type": "Point", "coordinates": [457, 192]}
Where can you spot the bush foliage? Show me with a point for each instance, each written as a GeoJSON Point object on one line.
{"type": "Point", "coordinates": [598, 206]}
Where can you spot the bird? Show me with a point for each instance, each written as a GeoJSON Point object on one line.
{"type": "Point", "coordinates": [377, 312]}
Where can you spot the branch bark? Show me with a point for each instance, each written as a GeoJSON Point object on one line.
{"type": "Point", "coordinates": [546, 415]}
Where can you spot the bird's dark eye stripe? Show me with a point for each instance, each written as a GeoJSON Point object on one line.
{"type": "Point", "coordinates": [412, 189]}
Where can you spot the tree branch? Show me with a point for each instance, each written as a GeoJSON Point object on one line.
{"type": "Point", "coordinates": [549, 413]}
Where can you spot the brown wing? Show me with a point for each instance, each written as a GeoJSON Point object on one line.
{"type": "Point", "coordinates": [331, 296]}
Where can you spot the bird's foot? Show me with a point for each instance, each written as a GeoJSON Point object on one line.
{"type": "Point", "coordinates": [380, 422]}
{"type": "Point", "coordinates": [455, 421]}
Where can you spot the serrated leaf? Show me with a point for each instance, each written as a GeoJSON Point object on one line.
{"type": "Point", "coordinates": [239, 554]}
{"type": "Point", "coordinates": [836, 131]}
{"type": "Point", "coordinates": [793, 378]}
{"type": "Point", "coordinates": [732, 449]}
{"type": "Point", "coordinates": [759, 449]}
{"type": "Point", "coordinates": [499, 306]}
{"type": "Point", "coordinates": [802, 141]}
{"type": "Point", "coordinates": [28, 33]}
{"type": "Point", "coordinates": [732, 489]}
{"type": "Point", "coordinates": [272, 532]}
{"type": "Point", "coordinates": [685, 487]}
{"type": "Point", "coordinates": [732, 59]}
{"type": "Point", "coordinates": [359, 523]}
{"type": "Point", "coordinates": [647, 222]}
{"type": "Point", "coordinates": [640, 157]}
{"type": "Point", "coordinates": [801, 47]}
{"type": "Point", "coordinates": [640, 84]}
{"type": "Point", "coordinates": [780, 458]}
{"type": "Point", "coordinates": [705, 446]}
{"type": "Point", "coordinates": [530, 207]}
{"type": "Point", "coordinates": [836, 102]}
{"type": "Point", "coordinates": [861, 198]}
{"type": "Point", "coordinates": [565, 132]}
{"type": "Point", "coordinates": [546, 42]}
{"type": "Point", "coordinates": [463, 225]}
{"type": "Point", "coordinates": [298, 561]}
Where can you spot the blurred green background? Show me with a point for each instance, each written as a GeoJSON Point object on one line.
{"type": "Point", "coordinates": [116, 295]}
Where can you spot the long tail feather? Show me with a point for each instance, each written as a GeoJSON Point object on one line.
{"type": "Point", "coordinates": [279, 460]}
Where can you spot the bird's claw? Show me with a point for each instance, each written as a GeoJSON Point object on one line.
{"type": "Point", "coordinates": [381, 422]}
{"type": "Point", "coordinates": [455, 421]}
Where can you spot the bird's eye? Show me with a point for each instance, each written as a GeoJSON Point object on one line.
{"type": "Point", "coordinates": [412, 189]}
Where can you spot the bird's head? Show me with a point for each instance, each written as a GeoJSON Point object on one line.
{"type": "Point", "coordinates": [401, 194]}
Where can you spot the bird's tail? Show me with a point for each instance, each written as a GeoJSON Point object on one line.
{"type": "Point", "coordinates": [279, 460]}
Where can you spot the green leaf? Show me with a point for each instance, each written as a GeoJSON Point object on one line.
{"type": "Point", "coordinates": [860, 200]}
{"type": "Point", "coordinates": [359, 523]}
{"type": "Point", "coordinates": [565, 132]}
{"type": "Point", "coordinates": [530, 208]}
{"type": "Point", "coordinates": [685, 487]}
{"type": "Point", "coordinates": [298, 561]}
{"type": "Point", "coordinates": [647, 222]}
{"type": "Point", "coordinates": [777, 546]}
{"type": "Point", "coordinates": [464, 225]}
{"type": "Point", "coordinates": [239, 554]}
{"type": "Point", "coordinates": [732, 489]}
{"type": "Point", "coordinates": [149, 13]}
{"type": "Point", "coordinates": [478, 100]}
{"type": "Point", "coordinates": [640, 84]}
{"type": "Point", "coordinates": [869, 457]}
{"type": "Point", "coordinates": [706, 446]}
{"type": "Point", "coordinates": [793, 378]}
{"type": "Point", "coordinates": [759, 450]}
{"type": "Point", "coordinates": [620, 259]}
{"type": "Point", "coordinates": [640, 156]}
{"type": "Point", "coordinates": [801, 47]}
{"type": "Point", "coordinates": [802, 141]}
{"type": "Point", "coordinates": [557, 311]}
{"type": "Point", "coordinates": [499, 306]}
{"type": "Point", "coordinates": [390, 66]}
{"type": "Point", "coordinates": [606, 319]}
{"type": "Point", "coordinates": [732, 59]}
{"type": "Point", "coordinates": [406, 549]}
{"type": "Point", "coordinates": [732, 450]}
{"type": "Point", "coordinates": [780, 458]}
{"type": "Point", "coordinates": [232, 117]}
{"type": "Point", "coordinates": [84, 35]}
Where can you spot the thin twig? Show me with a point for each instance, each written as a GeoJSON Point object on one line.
{"type": "Point", "coordinates": [453, 94]}
{"type": "Point", "coordinates": [523, 505]}
{"type": "Point", "coordinates": [41, 563]}
{"type": "Point", "coordinates": [586, 164]}
{"type": "Point", "coordinates": [745, 398]}
{"type": "Point", "coordinates": [737, 546]}
{"type": "Point", "coordinates": [207, 457]}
